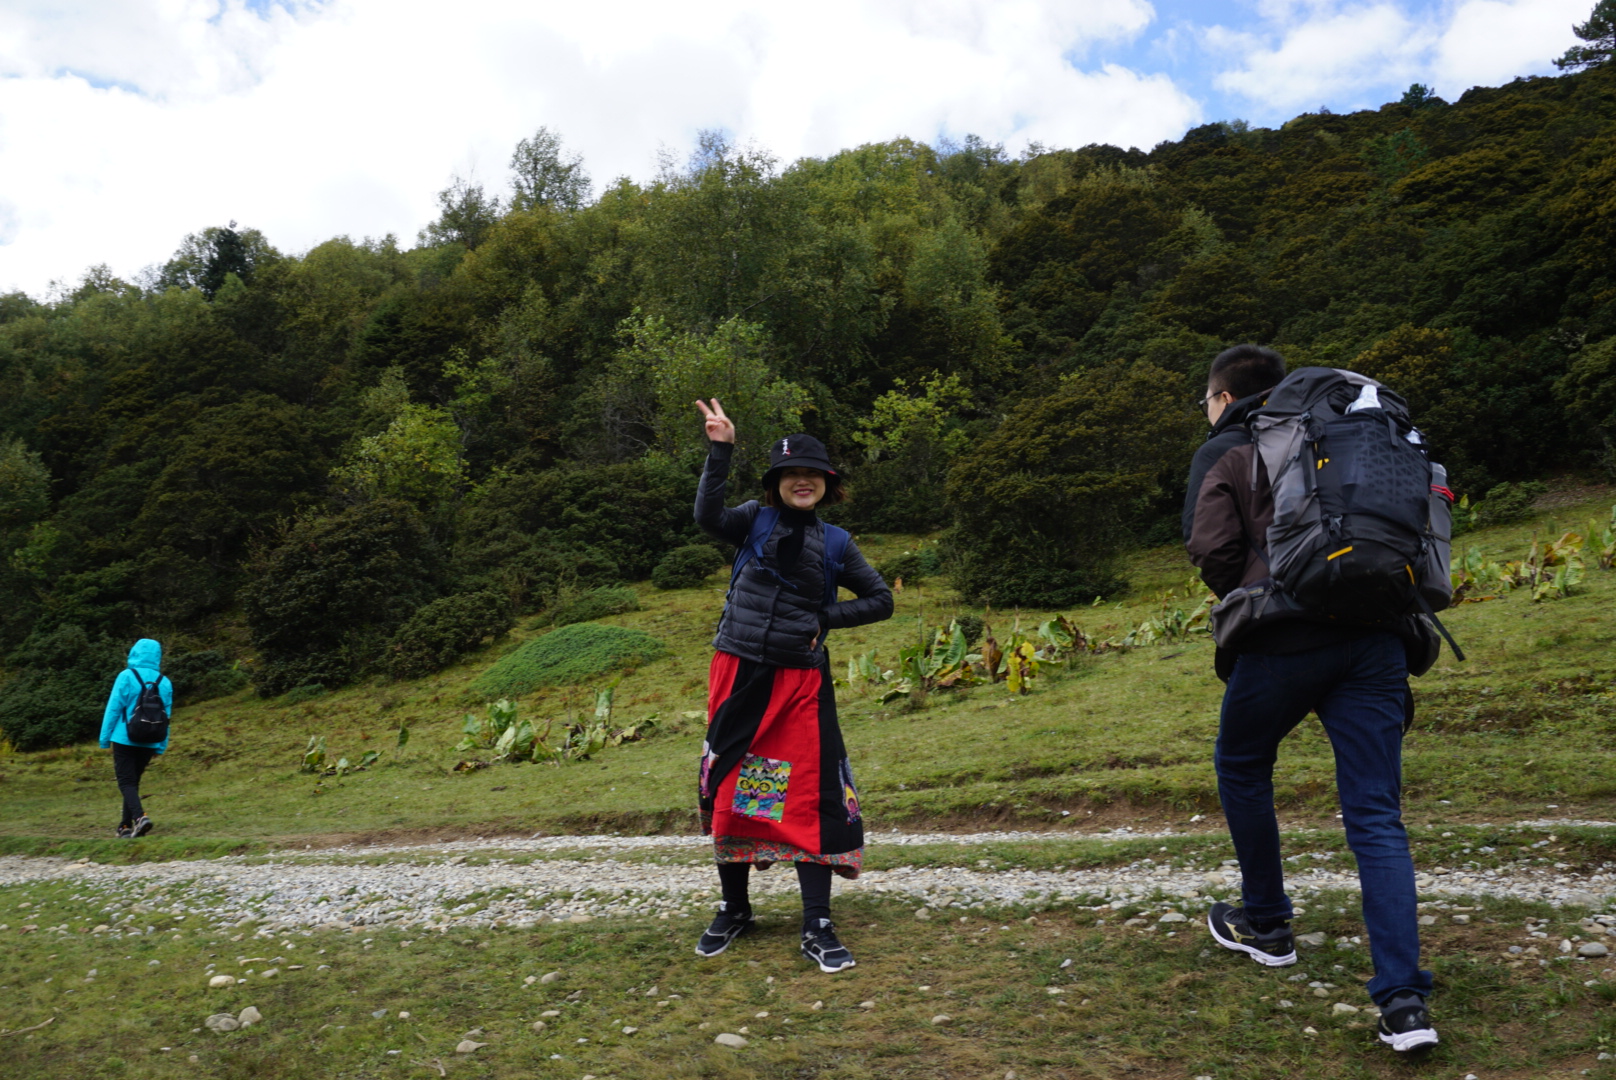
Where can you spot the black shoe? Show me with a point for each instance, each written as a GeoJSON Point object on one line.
{"type": "Point", "coordinates": [820, 944]}
{"type": "Point", "coordinates": [141, 827]}
{"type": "Point", "coordinates": [125, 832]}
{"type": "Point", "coordinates": [1405, 1025]}
{"type": "Point", "coordinates": [725, 929]}
{"type": "Point", "coordinates": [1230, 928]}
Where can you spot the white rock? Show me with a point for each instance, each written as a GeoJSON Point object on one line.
{"type": "Point", "coordinates": [466, 1046]}
{"type": "Point", "coordinates": [727, 1039]}
{"type": "Point", "coordinates": [816, 1006]}
{"type": "Point", "coordinates": [630, 1030]}
{"type": "Point", "coordinates": [1427, 920]}
{"type": "Point", "coordinates": [549, 976]}
{"type": "Point", "coordinates": [940, 1019]}
{"type": "Point", "coordinates": [221, 980]}
{"type": "Point", "coordinates": [1341, 1008]}
{"type": "Point", "coordinates": [221, 1022]}
{"type": "Point", "coordinates": [923, 913]}
{"type": "Point", "coordinates": [1593, 948]}
{"type": "Point", "coordinates": [1173, 917]}
{"type": "Point", "coordinates": [269, 973]}
{"type": "Point", "coordinates": [866, 1004]}
{"type": "Point", "coordinates": [538, 1026]}
{"type": "Point", "coordinates": [249, 1015]}
{"type": "Point", "coordinates": [530, 980]}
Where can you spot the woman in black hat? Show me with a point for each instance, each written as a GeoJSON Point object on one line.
{"type": "Point", "coordinates": [775, 784]}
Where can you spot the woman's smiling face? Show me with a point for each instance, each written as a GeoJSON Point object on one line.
{"type": "Point", "coordinates": [801, 489]}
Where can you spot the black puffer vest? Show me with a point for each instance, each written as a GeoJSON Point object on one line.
{"type": "Point", "coordinates": [777, 622]}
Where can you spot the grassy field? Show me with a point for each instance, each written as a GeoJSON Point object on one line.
{"type": "Point", "coordinates": [1142, 1001]}
{"type": "Point", "coordinates": [1521, 731]}
{"type": "Point", "coordinates": [1525, 725]}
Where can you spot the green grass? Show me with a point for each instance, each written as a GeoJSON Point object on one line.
{"type": "Point", "coordinates": [569, 655]}
{"type": "Point", "coordinates": [1135, 1002]}
{"type": "Point", "coordinates": [1125, 738]}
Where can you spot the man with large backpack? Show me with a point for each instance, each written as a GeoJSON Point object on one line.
{"type": "Point", "coordinates": [135, 727]}
{"type": "Point", "coordinates": [1318, 594]}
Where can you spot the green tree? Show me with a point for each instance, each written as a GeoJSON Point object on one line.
{"type": "Point", "coordinates": [1600, 34]}
{"type": "Point", "coordinates": [417, 460]}
{"type": "Point", "coordinates": [910, 440]}
{"type": "Point", "coordinates": [323, 604]}
{"type": "Point", "coordinates": [650, 391]}
{"type": "Point", "coordinates": [205, 259]}
{"type": "Point", "coordinates": [465, 214]}
{"type": "Point", "coordinates": [1043, 506]}
{"type": "Point", "coordinates": [542, 175]}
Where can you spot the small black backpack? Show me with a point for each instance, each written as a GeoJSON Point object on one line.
{"type": "Point", "coordinates": [149, 721]}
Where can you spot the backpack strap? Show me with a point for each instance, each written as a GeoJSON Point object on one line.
{"type": "Point", "coordinates": [836, 539]}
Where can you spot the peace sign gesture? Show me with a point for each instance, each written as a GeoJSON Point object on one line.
{"type": "Point", "coordinates": [720, 428]}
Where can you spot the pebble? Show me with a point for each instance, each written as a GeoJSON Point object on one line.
{"type": "Point", "coordinates": [466, 1046]}
{"type": "Point", "coordinates": [549, 976]}
{"type": "Point", "coordinates": [1593, 948]}
{"type": "Point", "coordinates": [1427, 920]}
{"type": "Point", "coordinates": [630, 1030]}
{"type": "Point", "coordinates": [221, 1022]}
{"type": "Point", "coordinates": [221, 980]}
{"type": "Point", "coordinates": [1173, 917]}
{"type": "Point", "coordinates": [923, 914]}
{"type": "Point", "coordinates": [866, 1004]}
{"type": "Point", "coordinates": [940, 1019]}
{"type": "Point", "coordinates": [538, 1026]}
{"type": "Point", "coordinates": [816, 1006]}
{"type": "Point", "coordinates": [1315, 939]}
{"type": "Point", "coordinates": [1341, 1008]}
{"type": "Point", "coordinates": [427, 886]}
{"type": "Point", "coordinates": [249, 1015]}
{"type": "Point", "coordinates": [730, 1040]}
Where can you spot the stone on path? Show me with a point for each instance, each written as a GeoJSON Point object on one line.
{"type": "Point", "coordinates": [249, 1015]}
{"type": "Point", "coordinates": [727, 1039]}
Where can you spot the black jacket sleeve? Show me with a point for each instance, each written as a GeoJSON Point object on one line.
{"type": "Point", "coordinates": [874, 598]}
{"type": "Point", "coordinates": [731, 525]}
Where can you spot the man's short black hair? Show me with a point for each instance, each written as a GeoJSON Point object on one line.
{"type": "Point", "coordinates": [1244, 370]}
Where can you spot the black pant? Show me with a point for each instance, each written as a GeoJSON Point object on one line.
{"type": "Point", "coordinates": [812, 878]}
{"type": "Point", "coordinates": [128, 763]}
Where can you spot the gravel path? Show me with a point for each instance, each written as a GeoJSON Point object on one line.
{"type": "Point", "coordinates": [429, 887]}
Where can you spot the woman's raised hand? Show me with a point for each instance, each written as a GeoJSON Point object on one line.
{"type": "Point", "coordinates": [720, 428]}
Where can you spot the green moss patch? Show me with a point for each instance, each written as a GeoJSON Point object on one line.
{"type": "Point", "coordinates": [568, 655]}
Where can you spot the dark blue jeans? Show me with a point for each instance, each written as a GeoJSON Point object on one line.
{"type": "Point", "coordinates": [1357, 688]}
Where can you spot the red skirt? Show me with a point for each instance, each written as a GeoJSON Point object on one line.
{"type": "Point", "coordinates": [775, 784]}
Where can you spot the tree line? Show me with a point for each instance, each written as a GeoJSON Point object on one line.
{"type": "Point", "coordinates": [302, 460]}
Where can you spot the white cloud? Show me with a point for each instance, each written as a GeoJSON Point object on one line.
{"type": "Point", "coordinates": [1305, 53]}
{"type": "Point", "coordinates": [348, 117]}
{"type": "Point", "coordinates": [1488, 42]}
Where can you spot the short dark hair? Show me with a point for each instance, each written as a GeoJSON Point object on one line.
{"type": "Point", "coordinates": [1244, 370]}
{"type": "Point", "coordinates": [835, 492]}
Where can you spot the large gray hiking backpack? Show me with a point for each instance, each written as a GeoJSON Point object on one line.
{"type": "Point", "coordinates": [1363, 518]}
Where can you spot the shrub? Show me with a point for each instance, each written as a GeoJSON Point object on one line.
{"type": "Point", "coordinates": [1506, 503]}
{"type": "Point", "coordinates": [1044, 505]}
{"type": "Point", "coordinates": [569, 655]}
{"type": "Point", "coordinates": [597, 604]}
{"type": "Point", "coordinates": [297, 695]}
{"type": "Point", "coordinates": [971, 626]}
{"type": "Point", "coordinates": [686, 567]}
{"type": "Point", "coordinates": [912, 566]}
{"type": "Point", "coordinates": [322, 605]}
{"type": "Point", "coordinates": [445, 630]}
{"type": "Point", "coordinates": [59, 696]}
{"type": "Point", "coordinates": [202, 675]}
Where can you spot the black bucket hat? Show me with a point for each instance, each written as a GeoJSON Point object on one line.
{"type": "Point", "coordinates": [798, 452]}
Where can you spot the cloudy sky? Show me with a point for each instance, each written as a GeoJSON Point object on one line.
{"type": "Point", "coordinates": [125, 124]}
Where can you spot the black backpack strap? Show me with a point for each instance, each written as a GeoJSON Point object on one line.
{"type": "Point", "coordinates": [1425, 607]}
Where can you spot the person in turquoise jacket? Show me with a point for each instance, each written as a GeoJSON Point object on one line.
{"type": "Point", "coordinates": [129, 758]}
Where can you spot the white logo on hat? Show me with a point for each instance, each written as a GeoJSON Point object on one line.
{"type": "Point", "coordinates": [785, 447]}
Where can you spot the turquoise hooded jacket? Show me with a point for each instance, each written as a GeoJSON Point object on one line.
{"type": "Point", "coordinates": [146, 657]}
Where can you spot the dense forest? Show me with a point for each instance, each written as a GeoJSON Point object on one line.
{"type": "Point", "coordinates": [313, 464]}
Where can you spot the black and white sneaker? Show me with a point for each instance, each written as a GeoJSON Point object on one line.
{"type": "Point", "coordinates": [1274, 947]}
{"type": "Point", "coordinates": [1405, 1025]}
{"type": "Point", "coordinates": [821, 945]}
{"type": "Point", "coordinates": [125, 832]}
{"type": "Point", "coordinates": [141, 827]}
{"type": "Point", "coordinates": [725, 928]}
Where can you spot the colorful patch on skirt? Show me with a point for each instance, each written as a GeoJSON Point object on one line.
{"type": "Point", "coordinates": [849, 791]}
{"type": "Point", "coordinates": [760, 787]}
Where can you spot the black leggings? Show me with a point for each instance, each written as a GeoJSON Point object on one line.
{"type": "Point", "coordinates": [128, 764]}
{"type": "Point", "coordinates": [812, 878]}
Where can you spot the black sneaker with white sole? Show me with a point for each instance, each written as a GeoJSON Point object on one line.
{"type": "Point", "coordinates": [1273, 947]}
{"type": "Point", "coordinates": [821, 945]}
{"type": "Point", "coordinates": [725, 928]}
{"type": "Point", "coordinates": [141, 827]}
{"type": "Point", "coordinates": [1405, 1025]}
